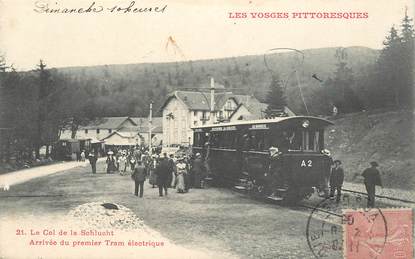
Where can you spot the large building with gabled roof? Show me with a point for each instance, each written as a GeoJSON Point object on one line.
{"type": "Point", "coordinates": [119, 131]}
{"type": "Point", "coordinates": [185, 109]}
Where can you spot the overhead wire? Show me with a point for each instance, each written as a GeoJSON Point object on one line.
{"type": "Point", "coordinates": [295, 71]}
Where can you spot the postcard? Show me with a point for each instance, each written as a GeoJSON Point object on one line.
{"type": "Point", "coordinates": [207, 129]}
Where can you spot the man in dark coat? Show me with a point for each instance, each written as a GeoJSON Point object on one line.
{"type": "Point", "coordinates": [327, 166]}
{"type": "Point", "coordinates": [198, 171]}
{"type": "Point", "coordinates": [139, 177]}
{"type": "Point", "coordinates": [164, 174]}
{"type": "Point", "coordinates": [336, 180]}
{"type": "Point", "coordinates": [372, 178]}
{"type": "Point", "coordinates": [93, 157]}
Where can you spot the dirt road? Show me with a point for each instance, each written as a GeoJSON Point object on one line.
{"type": "Point", "coordinates": [213, 220]}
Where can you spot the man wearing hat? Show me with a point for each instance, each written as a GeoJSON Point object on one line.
{"type": "Point", "coordinates": [197, 172]}
{"type": "Point", "coordinates": [327, 166]}
{"type": "Point", "coordinates": [163, 172]}
{"type": "Point", "coordinates": [93, 157]}
{"type": "Point", "coordinates": [371, 177]}
{"type": "Point", "coordinates": [139, 177]}
{"type": "Point", "coordinates": [336, 180]}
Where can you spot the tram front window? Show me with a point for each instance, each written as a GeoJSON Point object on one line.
{"type": "Point", "coordinates": [310, 140]}
{"type": "Point", "coordinates": [299, 140]}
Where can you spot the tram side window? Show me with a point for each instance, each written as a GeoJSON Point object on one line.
{"type": "Point", "coordinates": [199, 139]}
{"type": "Point", "coordinates": [215, 139]}
{"type": "Point", "coordinates": [228, 139]}
{"type": "Point", "coordinates": [222, 141]}
{"type": "Point", "coordinates": [246, 141]}
{"type": "Point", "coordinates": [220, 137]}
{"type": "Point", "coordinates": [257, 141]}
{"type": "Point", "coordinates": [273, 139]}
{"type": "Point", "coordinates": [196, 141]}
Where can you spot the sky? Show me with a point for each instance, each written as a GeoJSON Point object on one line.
{"type": "Point", "coordinates": [200, 30]}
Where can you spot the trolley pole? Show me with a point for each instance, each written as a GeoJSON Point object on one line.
{"type": "Point", "coordinates": [150, 126]}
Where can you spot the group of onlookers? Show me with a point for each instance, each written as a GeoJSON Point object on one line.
{"type": "Point", "coordinates": [180, 172]}
{"type": "Point", "coordinates": [124, 160]}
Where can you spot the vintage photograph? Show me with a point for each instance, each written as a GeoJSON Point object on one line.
{"type": "Point", "coordinates": [207, 129]}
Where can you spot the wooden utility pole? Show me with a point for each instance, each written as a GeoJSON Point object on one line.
{"type": "Point", "coordinates": [150, 126]}
{"type": "Point", "coordinates": [212, 100]}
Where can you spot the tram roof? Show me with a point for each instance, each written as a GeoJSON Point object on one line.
{"type": "Point", "coordinates": [267, 121]}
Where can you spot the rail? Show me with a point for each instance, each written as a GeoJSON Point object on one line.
{"type": "Point", "coordinates": [380, 196]}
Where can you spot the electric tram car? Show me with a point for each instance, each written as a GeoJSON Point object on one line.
{"type": "Point", "coordinates": [281, 158]}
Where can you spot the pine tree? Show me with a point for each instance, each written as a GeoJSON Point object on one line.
{"type": "Point", "coordinates": [407, 31]}
{"type": "Point", "coordinates": [396, 64]}
{"type": "Point", "coordinates": [44, 85]}
{"type": "Point", "coordinates": [3, 65]}
{"type": "Point", "coordinates": [387, 66]}
{"type": "Point", "coordinates": [339, 88]}
{"type": "Point", "coordinates": [407, 61]}
{"type": "Point", "coordinates": [276, 98]}
{"type": "Point", "coordinates": [392, 40]}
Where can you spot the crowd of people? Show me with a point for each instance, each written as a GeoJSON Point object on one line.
{"type": "Point", "coordinates": [179, 171]}
{"type": "Point", "coordinates": [182, 172]}
{"type": "Point", "coordinates": [175, 171]}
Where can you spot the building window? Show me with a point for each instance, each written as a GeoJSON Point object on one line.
{"type": "Point", "coordinates": [109, 130]}
{"type": "Point", "coordinates": [195, 113]}
{"type": "Point", "coordinates": [195, 123]}
{"type": "Point", "coordinates": [86, 131]}
{"type": "Point", "coordinates": [97, 131]}
{"type": "Point", "coordinates": [205, 116]}
{"type": "Point", "coordinates": [228, 105]}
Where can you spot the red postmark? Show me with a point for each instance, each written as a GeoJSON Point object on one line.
{"type": "Point", "coordinates": [378, 233]}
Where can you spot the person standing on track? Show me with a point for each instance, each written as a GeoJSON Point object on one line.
{"type": "Point", "coordinates": [371, 179]}
{"type": "Point", "coordinates": [327, 166]}
{"type": "Point", "coordinates": [336, 180]}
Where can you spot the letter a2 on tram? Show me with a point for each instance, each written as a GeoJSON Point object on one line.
{"type": "Point", "coordinates": [309, 163]}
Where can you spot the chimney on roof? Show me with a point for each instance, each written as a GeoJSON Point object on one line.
{"type": "Point", "coordinates": [212, 94]}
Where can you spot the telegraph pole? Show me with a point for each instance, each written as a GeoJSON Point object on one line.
{"type": "Point", "coordinates": [150, 126]}
{"type": "Point", "coordinates": [212, 100]}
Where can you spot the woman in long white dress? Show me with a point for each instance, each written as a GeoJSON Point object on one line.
{"type": "Point", "coordinates": [122, 160]}
{"type": "Point", "coordinates": [181, 172]}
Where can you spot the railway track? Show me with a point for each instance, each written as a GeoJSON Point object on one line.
{"type": "Point", "coordinates": [336, 209]}
{"type": "Point", "coordinates": [313, 206]}
{"type": "Point", "coordinates": [380, 196]}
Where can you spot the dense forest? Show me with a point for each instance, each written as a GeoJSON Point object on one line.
{"type": "Point", "coordinates": [36, 104]}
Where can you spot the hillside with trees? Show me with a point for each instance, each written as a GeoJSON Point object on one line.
{"type": "Point", "coordinates": [140, 83]}
{"type": "Point", "coordinates": [380, 135]}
